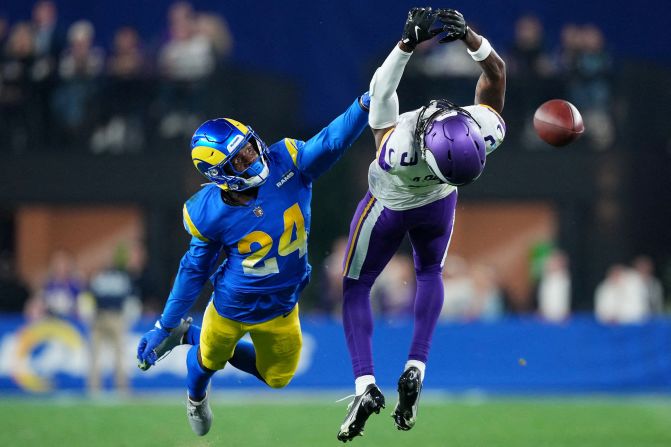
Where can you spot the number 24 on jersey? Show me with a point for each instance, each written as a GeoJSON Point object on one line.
{"type": "Point", "coordinates": [254, 264]}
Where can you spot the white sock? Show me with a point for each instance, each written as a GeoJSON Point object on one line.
{"type": "Point", "coordinates": [362, 382]}
{"type": "Point", "coordinates": [196, 402]}
{"type": "Point", "coordinates": [421, 366]}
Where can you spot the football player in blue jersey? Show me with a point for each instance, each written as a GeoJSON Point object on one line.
{"type": "Point", "coordinates": [256, 210]}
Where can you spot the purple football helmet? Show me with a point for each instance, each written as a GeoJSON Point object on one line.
{"type": "Point", "coordinates": [451, 143]}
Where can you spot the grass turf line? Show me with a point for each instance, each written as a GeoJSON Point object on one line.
{"type": "Point", "coordinates": [514, 423]}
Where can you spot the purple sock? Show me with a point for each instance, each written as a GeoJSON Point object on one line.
{"type": "Point", "coordinates": [428, 304]}
{"type": "Point", "coordinates": [358, 324]}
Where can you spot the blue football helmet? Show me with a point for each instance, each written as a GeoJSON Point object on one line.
{"type": "Point", "coordinates": [216, 143]}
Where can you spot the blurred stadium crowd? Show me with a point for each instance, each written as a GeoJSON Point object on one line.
{"type": "Point", "coordinates": [57, 87]}
{"type": "Point", "coordinates": [580, 66]}
{"type": "Point", "coordinates": [629, 294]}
{"type": "Point", "coordinates": [59, 90]}
{"type": "Point", "coordinates": [109, 301]}
{"type": "Point", "coordinates": [473, 291]}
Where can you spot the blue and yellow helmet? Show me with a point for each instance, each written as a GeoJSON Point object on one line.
{"type": "Point", "coordinates": [214, 145]}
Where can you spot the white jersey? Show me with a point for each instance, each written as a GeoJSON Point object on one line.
{"type": "Point", "coordinates": [400, 179]}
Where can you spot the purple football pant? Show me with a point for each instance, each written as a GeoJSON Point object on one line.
{"type": "Point", "coordinates": [375, 234]}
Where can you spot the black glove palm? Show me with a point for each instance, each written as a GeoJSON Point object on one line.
{"type": "Point", "coordinates": [417, 26]}
{"type": "Point", "coordinates": [454, 24]}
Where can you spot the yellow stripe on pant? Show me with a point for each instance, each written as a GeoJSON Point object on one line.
{"type": "Point", "coordinates": [277, 343]}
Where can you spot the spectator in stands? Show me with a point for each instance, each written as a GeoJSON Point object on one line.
{"type": "Point", "coordinates": [569, 48]}
{"type": "Point", "coordinates": [49, 36]}
{"type": "Point", "coordinates": [143, 284]}
{"type": "Point", "coordinates": [459, 289]}
{"type": "Point", "coordinates": [13, 292]}
{"type": "Point", "coordinates": [530, 66]}
{"type": "Point", "coordinates": [654, 292]}
{"type": "Point", "coordinates": [126, 92]}
{"type": "Point", "coordinates": [330, 295]}
{"type": "Point", "coordinates": [79, 69]}
{"type": "Point", "coordinates": [112, 288]}
{"type": "Point", "coordinates": [587, 69]}
{"type": "Point", "coordinates": [4, 31]}
{"type": "Point", "coordinates": [17, 99]}
{"type": "Point", "coordinates": [60, 293]}
{"type": "Point", "coordinates": [18, 57]}
{"type": "Point", "coordinates": [554, 289]}
{"type": "Point", "coordinates": [50, 41]}
{"type": "Point", "coordinates": [487, 302]}
{"type": "Point", "coordinates": [186, 63]}
{"type": "Point", "coordinates": [621, 297]}
{"type": "Point", "coordinates": [81, 60]}
{"type": "Point", "coordinates": [127, 59]}
{"type": "Point", "coordinates": [528, 57]}
{"type": "Point", "coordinates": [189, 53]}
{"type": "Point", "coordinates": [216, 29]}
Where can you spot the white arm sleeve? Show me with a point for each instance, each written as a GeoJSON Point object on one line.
{"type": "Point", "coordinates": [383, 99]}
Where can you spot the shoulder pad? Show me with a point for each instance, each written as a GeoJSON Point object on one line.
{"type": "Point", "coordinates": [293, 147]}
{"type": "Point", "coordinates": [288, 149]}
{"type": "Point", "coordinates": [193, 212]}
{"type": "Point", "coordinates": [491, 124]}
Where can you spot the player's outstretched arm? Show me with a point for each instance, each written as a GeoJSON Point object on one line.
{"type": "Point", "coordinates": [491, 87]}
{"type": "Point", "coordinates": [194, 269]}
{"type": "Point", "coordinates": [384, 107]}
{"type": "Point", "coordinates": [321, 151]}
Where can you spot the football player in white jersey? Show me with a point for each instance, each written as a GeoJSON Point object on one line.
{"type": "Point", "coordinates": [422, 157]}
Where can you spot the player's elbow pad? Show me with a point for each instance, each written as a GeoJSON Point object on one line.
{"type": "Point", "coordinates": [383, 112]}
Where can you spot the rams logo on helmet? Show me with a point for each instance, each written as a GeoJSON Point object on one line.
{"type": "Point", "coordinates": [215, 145]}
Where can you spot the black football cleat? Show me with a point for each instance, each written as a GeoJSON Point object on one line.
{"type": "Point", "coordinates": [358, 412]}
{"type": "Point", "coordinates": [409, 389]}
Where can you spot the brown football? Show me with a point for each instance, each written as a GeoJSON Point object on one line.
{"type": "Point", "coordinates": [558, 122]}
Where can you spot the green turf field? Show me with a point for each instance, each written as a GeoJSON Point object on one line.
{"type": "Point", "coordinates": [523, 422]}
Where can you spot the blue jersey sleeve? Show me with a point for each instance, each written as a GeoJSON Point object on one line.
{"type": "Point", "coordinates": [320, 152]}
{"type": "Point", "coordinates": [196, 265]}
{"type": "Point", "coordinates": [195, 268]}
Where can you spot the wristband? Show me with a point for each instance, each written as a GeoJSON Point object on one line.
{"type": "Point", "coordinates": [159, 325]}
{"type": "Point", "coordinates": [363, 100]}
{"type": "Point", "coordinates": [481, 53]}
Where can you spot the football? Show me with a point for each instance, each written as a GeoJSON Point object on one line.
{"type": "Point", "coordinates": [558, 122]}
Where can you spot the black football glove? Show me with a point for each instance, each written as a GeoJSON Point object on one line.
{"type": "Point", "coordinates": [453, 24]}
{"type": "Point", "coordinates": [417, 27]}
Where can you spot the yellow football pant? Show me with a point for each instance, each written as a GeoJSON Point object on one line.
{"type": "Point", "coordinates": [277, 343]}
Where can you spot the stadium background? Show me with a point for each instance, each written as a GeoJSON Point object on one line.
{"type": "Point", "coordinates": [292, 67]}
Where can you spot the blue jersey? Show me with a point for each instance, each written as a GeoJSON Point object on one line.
{"type": "Point", "coordinates": [265, 241]}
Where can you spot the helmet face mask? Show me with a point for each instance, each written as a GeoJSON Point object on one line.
{"type": "Point", "coordinates": [219, 145]}
{"type": "Point", "coordinates": [450, 142]}
{"type": "Point", "coordinates": [244, 161]}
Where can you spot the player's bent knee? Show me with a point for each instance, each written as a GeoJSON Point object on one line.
{"type": "Point", "coordinates": [430, 270]}
{"type": "Point", "coordinates": [213, 365]}
{"type": "Point", "coordinates": [279, 382]}
{"type": "Point", "coordinates": [363, 282]}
